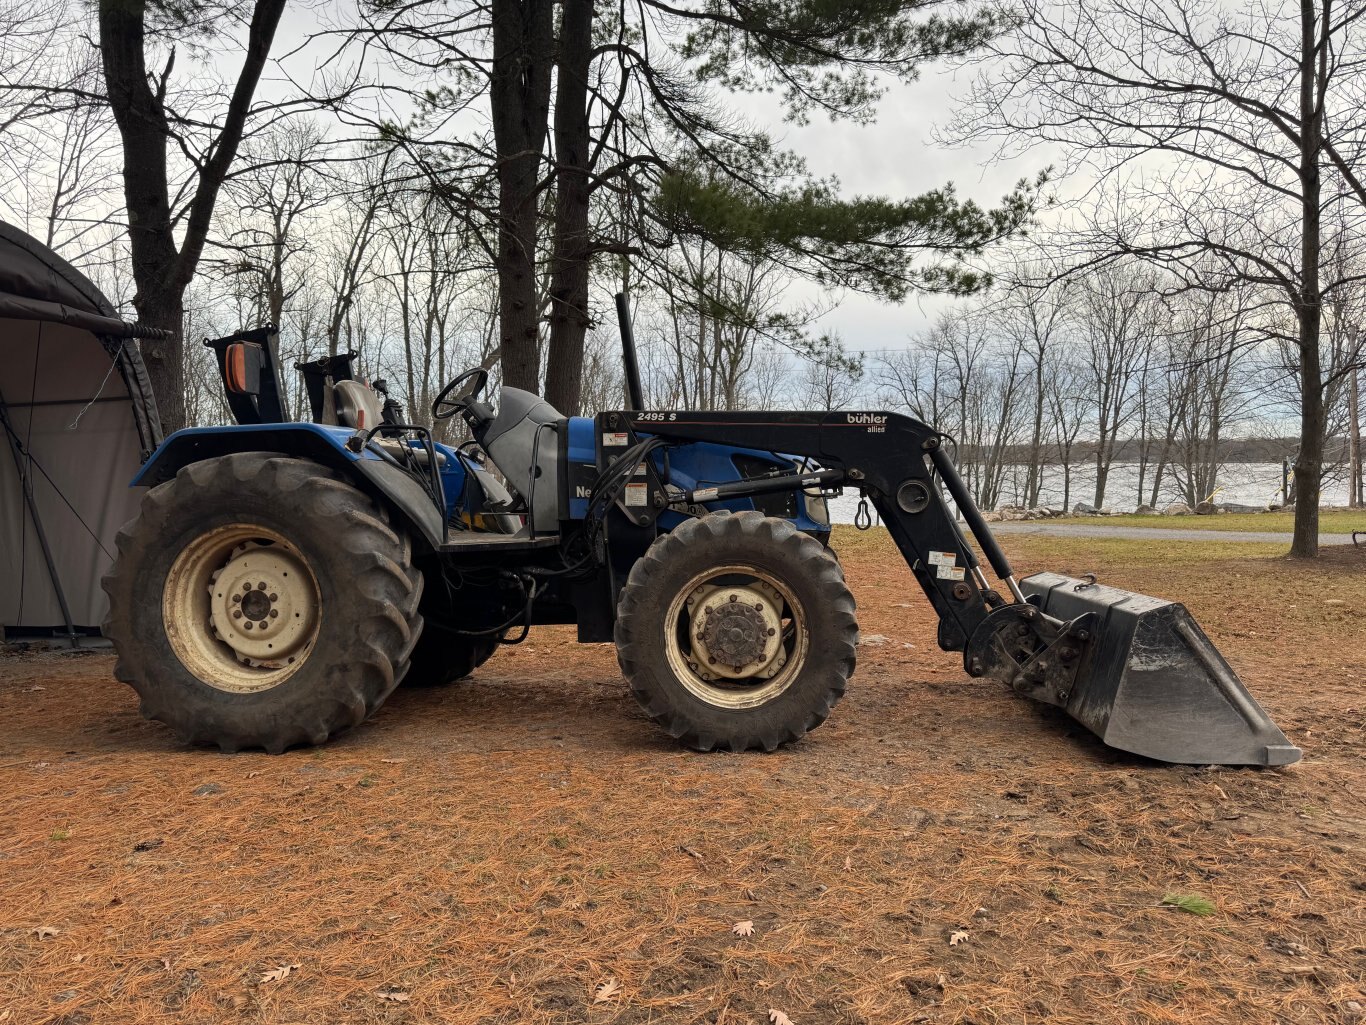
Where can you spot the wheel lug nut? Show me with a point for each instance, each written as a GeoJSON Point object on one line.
{"type": "Point", "coordinates": [759, 605]}
{"type": "Point", "coordinates": [274, 596]}
{"type": "Point", "coordinates": [236, 597]}
{"type": "Point", "coordinates": [261, 586]}
{"type": "Point", "coordinates": [248, 624]}
{"type": "Point", "coordinates": [276, 612]}
{"type": "Point", "coordinates": [236, 613]}
{"type": "Point", "coordinates": [771, 631]}
{"type": "Point", "coordinates": [734, 597]}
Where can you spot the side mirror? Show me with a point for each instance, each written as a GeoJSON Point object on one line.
{"type": "Point", "coordinates": [242, 368]}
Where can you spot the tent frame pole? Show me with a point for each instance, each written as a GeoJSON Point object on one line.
{"type": "Point", "coordinates": [26, 484]}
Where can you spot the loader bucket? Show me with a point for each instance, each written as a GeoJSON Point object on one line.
{"type": "Point", "coordinates": [1152, 683]}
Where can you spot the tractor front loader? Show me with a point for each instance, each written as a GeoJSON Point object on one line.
{"type": "Point", "coordinates": [283, 578]}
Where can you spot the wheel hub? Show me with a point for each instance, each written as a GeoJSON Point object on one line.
{"type": "Point", "coordinates": [262, 605]}
{"type": "Point", "coordinates": [737, 630]}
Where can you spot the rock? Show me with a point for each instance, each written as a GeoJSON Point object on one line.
{"type": "Point", "coordinates": [1234, 507]}
{"type": "Point", "coordinates": [873, 640]}
{"type": "Point", "coordinates": [1177, 509]}
{"type": "Point", "coordinates": [1055, 511]}
{"type": "Point", "coordinates": [993, 517]}
{"type": "Point", "coordinates": [1106, 511]}
{"type": "Point", "coordinates": [1146, 510]}
{"type": "Point", "coordinates": [1204, 509]}
{"type": "Point", "coordinates": [208, 790]}
{"type": "Point", "coordinates": [1082, 509]}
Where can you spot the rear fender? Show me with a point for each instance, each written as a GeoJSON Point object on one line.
{"type": "Point", "coordinates": [402, 495]}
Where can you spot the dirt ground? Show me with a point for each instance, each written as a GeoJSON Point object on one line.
{"type": "Point", "coordinates": [512, 848]}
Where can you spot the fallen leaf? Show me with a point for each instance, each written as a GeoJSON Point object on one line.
{"type": "Point", "coordinates": [848, 864]}
{"type": "Point", "coordinates": [253, 775]}
{"type": "Point", "coordinates": [776, 1017]}
{"type": "Point", "coordinates": [77, 958]}
{"type": "Point", "coordinates": [957, 937]}
{"type": "Point", "coordinates": [690, 852]}
{"type": "Point", "coordinates": [276, 974]}
{"type": "Point", "coordinates": [393, 761]}
{"type": "Point", "coordinates": [147, 845]}
{"type": "Point", "coordinates": [607, 990]}
{"type": "Point", "coordinates": [745, 928]}
{"type": "Point", "coordinates": [395, 995]}
{"type": "Point", "coordinates": [4, 1015]}
{"type": "Point", "coordinates": [33, 690]}
{"type": "Point", "coordinates": [46, 932]}
{"type": "Point", "coordinates": [166, 965]}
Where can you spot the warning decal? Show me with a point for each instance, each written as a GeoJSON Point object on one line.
{"type": "Point", "coordinates": [942, 559]}
{"type": "Point", "coordinates": [951, 572]}
{"type": "Point", "coordinates": [637, 494]}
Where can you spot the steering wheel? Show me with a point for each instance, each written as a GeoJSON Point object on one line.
{"type": "Point", "coordinates": [457, 396]}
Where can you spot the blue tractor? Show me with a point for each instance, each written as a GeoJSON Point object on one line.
{"type": "Point", "coordinates": [283, 578]}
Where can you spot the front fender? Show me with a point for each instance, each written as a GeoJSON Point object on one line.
{"type": "Point", "coordinates": [324, 445]}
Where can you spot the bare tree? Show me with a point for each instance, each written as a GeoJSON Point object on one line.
{"type": "Point", "coordinates": [167, 232]}
{"type": "Point", "coordinates": [1227, 131]}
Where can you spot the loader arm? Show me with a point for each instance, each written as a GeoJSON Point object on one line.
{"type": "Point", "coordinates": [1136, 670]}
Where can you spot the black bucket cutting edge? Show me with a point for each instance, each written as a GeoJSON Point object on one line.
{"type": "Point", "coordinates": [1152, 683]}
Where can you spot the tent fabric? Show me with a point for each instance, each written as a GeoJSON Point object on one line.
{"type": "Point", "coordinates": [38, 285]}
{"type": "Point", "coordinates": [78, 420]}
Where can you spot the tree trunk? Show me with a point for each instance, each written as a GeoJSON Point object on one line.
{"type": "Point", "coordinates": [573, 248]}
{"type": "Point", "coordinates": [1354, 488]}
{"type": "Point", "coordinates": [519, 97]}
{"type": "Point", "coordinates": [143, 129]}
{"type": "Point", "coordinates": [1309, 465]}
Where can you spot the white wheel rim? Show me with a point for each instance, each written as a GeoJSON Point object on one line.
{"type": "Point", "coordinates": [738, 663]}
{"type": "Point", "coordinates": [241, 608]}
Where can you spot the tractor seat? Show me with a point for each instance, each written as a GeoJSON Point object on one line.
{"type": "Point", "coordinates": [524, 443]}
{"type": "Point", "coordinates": [357, 405]}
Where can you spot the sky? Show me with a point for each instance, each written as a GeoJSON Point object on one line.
{"type": "Point", "coordinates": [897, 157]}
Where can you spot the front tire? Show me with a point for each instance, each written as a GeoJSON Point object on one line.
{"type": "Point", "coordinates": [260, 601]}
{"type": "Point", "coordinates": [736, 631]}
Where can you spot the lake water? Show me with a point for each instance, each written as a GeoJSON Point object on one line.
{"type": "Point", "coordinates": [1242, 483]}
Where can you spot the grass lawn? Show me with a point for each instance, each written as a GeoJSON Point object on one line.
{"type": "Point", "coordinates": [1331, 521]}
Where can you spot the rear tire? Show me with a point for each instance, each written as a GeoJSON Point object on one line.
{"type": "Point", "coordinates": [326, 645]}
{"type": "Point", "coordinates": [736, 631]}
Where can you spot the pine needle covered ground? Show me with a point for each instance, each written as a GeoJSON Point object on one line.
{"type": "Point", "coordinates": [525, 848]}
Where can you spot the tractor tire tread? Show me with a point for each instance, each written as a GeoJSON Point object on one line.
{"type": "Point", "coordinates": [379, 604]}
{"type": "Point", "coordinates": [642, 608]}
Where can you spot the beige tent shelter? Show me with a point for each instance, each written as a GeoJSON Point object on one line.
{"type": "Point", "coordinates": [77, 419]}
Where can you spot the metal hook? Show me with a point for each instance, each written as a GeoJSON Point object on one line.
{"type": "Point", "coordinates": [1088, 580]}
{"type": "Point", "coordinates": [863, 519]}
